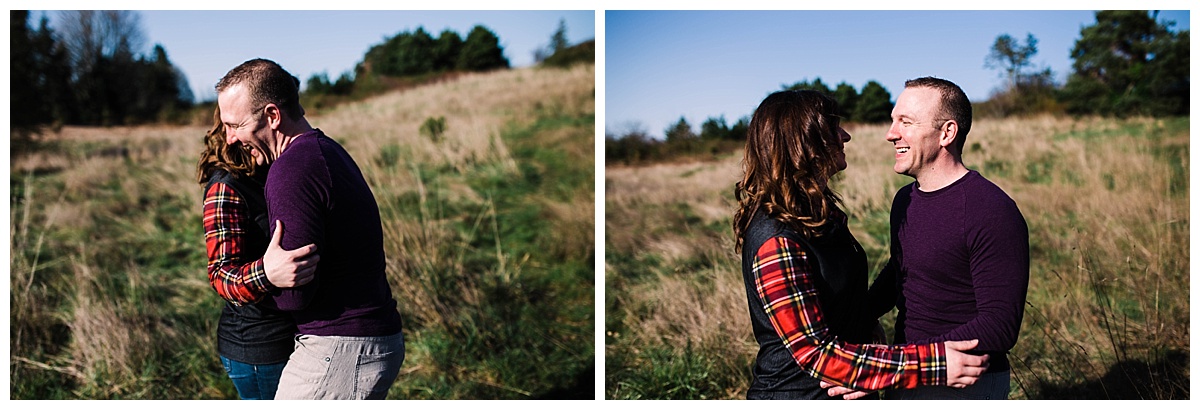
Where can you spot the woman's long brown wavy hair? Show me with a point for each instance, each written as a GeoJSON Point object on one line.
{"type": "Point", "coordinates": [788, 163]}
{"type": "Point", "coordinates": [219, 154]}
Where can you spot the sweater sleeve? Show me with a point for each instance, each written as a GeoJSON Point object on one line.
{"type": "Point", "coordinates": [235, 275]}
{"type": "Point", "coordinates": [297, 194]}
{"type": "Point", "coordinates": [784, 279]}
{"type": "Point", "coordinates": [883, 292]}
{"type": "Point", "coordinates": [999, 244]}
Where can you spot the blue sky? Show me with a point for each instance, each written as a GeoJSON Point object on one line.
{"type": "Point", "coordinates": [206, 44]}
{"type": "Point", "coordinates": [661, 65]}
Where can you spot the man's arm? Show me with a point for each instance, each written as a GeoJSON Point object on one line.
{"type": "Point", "coordinates": [784, 279]}
{"type": "Point", "coordinates": [297, 191]}
{"type": "Point", "coordinates": [999, 245]}
{"type": "Point", "coordinates": [883, 292]}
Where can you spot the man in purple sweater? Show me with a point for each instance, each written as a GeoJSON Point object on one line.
{"type": "Point", "coordinates": [959, 264]}
{"type": "Point", "coordinates": [350, 344]}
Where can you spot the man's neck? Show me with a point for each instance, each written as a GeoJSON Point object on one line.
{"type": "Point", "coordinates": [940, 175]}
{"type": "Point", "coordinates": [291, 131]}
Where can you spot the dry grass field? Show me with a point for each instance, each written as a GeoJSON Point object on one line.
{"type": "Point", "coordinates": [1106, 202]}
{"type": "Point", "coordinates": [488, 228]}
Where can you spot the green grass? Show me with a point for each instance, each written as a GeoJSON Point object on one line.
{"type": "Point", "coordinates": [1108, 303]}
{"type": "Point", "coordinates": [509, 251]}
{"type": "Point", "coordinates": [110, 298]}
{"type": "Point", "coordinates": [139, 254]}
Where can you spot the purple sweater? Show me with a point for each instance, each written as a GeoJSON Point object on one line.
{"type": "Point", "coordinates": [318, 192]}
{"type": "Point", "coordinates": [960, 258]}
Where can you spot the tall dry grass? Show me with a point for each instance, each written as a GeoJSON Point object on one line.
{"type": "Point", "coordinates": [110, 298]}
{"type": "Point", "coordinates": [1106, 202]}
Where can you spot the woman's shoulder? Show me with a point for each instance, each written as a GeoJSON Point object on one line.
{"type": "Point", "coordinates": [219, 176]}
{"type": "Point", "coordinates": [763, 227]}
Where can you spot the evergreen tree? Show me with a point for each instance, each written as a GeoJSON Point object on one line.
{"type": "Point", "coordinates": [415, 53]}
{"type": "Point", "coordinates": [874, 104]}
{"type": "Point", "coordinates": [481, 51]}
{"type": "Point", "coordinates": [558, 41]}
{"type": "Point", "coordinates": [847, 98]}
{"type": "Point", "coordinates": [680, 132]}
{"type": "Point", "coordinates": [1129, 64]}
{"type": "Point", "coordinates": [816, 85]}
{"type": "Point", "coordinates": [446, 50]}
{"type": "Point", "coordinates": [714, 129]}
{"type": "Point", "coordinates": [26, 104]}
{"type": "Point", "coordinates": [739, 130]}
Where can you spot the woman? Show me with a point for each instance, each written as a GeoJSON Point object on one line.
{"type": "Point", "coordinates": [254, 341]}
{"type": "Point", "coordinates": [806, 276]}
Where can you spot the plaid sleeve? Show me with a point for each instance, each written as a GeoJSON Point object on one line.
{"type": "Point", "coordinates": [784, 278]}
{"type": "Point", "coordinates": [234, 275]}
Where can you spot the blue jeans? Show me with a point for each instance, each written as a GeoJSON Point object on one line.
{"type": "Point", "coordinates": [254, 381]}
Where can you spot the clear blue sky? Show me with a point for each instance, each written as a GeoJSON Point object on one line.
{"type": "Point", "coordinates": [206, 44]}
{"type": "Point", "coordinates": [661, 65]}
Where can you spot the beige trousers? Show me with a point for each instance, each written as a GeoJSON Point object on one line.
{"type": "Point", "coordinates": [341, 368]}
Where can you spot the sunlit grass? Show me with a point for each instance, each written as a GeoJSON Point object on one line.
{"type": "Point", "coordinates": [1107, 207]}
{"type": "Point", "coordinates": [487, 234]}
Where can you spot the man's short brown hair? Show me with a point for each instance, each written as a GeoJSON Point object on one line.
{"type": "Point", "coordinates": [267, 83]}
{"type": "Point", "coordinates": [954, 104]}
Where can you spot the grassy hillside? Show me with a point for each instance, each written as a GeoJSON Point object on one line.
{"type": "Point", "coordinates": [488, 224]}
{"type": "Point", "coordinates": [1107, 206]}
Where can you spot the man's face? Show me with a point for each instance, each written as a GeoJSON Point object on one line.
{"type": "Point", "coordinates": [246, 124]}
{"type": "Point", "coordinates": [917, 124]}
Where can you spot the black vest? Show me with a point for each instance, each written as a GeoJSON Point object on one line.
{"type": "Point", "coordinates": [841, 290]}
{"type": "Point", "coordinates": [253, 334]}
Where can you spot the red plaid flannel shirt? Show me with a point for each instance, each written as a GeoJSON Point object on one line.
{"type": "Point", "coordinates": [784, 278]}
{"type": "Point", "coordinates": [237, 277]}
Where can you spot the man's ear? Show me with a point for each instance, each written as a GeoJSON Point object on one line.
{"type": "Point", "coordinates": [949, 133]}
{"type": "Point", "coordinates": [274, 116]}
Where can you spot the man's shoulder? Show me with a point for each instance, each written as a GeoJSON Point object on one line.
{"type": "Point", "coordinates": [992, 201]}
{"type": "Point", "coordinates": [299, 153]}
{"type": "Point", "coordinates": [904, 191]}
{"type": "Point", "coordinates": [301, 163]}
{"type": "Point", "coordinates": [985, 189]}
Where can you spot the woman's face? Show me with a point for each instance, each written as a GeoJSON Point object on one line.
{"type": "Point", "coordinates": [837, 141]}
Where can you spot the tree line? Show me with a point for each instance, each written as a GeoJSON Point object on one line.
{"type": "Point", "coordinates": [89, 72]}
{"type": "Point", "coordinates": [716, 136]}
{"type": "Point", "coordinates": [408, 55]}
{"type": "Point", "coordinates": [411, 56]}
{"type": "Point", "coordinates": [1127, 64]}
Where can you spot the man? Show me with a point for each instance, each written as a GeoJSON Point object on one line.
{"type": "Point", "coordinates": [349, 343]}
{"type": "Point", "coordinates": [959, 264]}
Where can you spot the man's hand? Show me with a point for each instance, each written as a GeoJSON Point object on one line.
{"type": "Point", "coordinates": [962, 369]}
{"type": "Point", "coordinates": [846, 392]}
{"type": "Point", "coordinates": [289, 269]}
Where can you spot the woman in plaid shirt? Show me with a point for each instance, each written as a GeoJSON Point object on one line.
{"type": "Point", "coordinates": [806, 275]}
{"type": "Point", "coordinates": [254, 340]}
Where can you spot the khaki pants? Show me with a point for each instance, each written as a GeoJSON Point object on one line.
{"type": "Point", "coordinates": [341, 368]}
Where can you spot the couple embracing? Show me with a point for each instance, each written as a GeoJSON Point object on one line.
{"type": "Point", "coordinates": [295, 245]}
{"type": "Point", "coordinates": [958, 269]}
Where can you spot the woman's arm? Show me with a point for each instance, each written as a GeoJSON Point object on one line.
{"type": "Point", "coordinates": [784, 279]}
{"type": "Point", "coordinates": [236, 276]}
